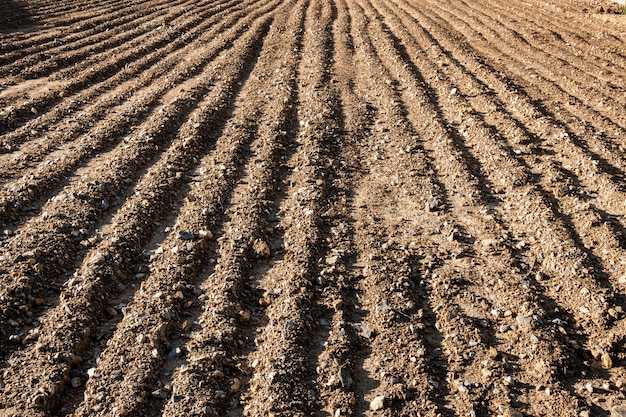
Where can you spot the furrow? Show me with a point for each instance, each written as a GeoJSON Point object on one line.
{"type": "Point", "coordinates": [485, 392]}
{"type": "Point", "coordinates": [109, 132]}
{"type": "Point", "coordinates": [312, 208]}
{"type": "Point", "coordinates": [219, 309]}
{"type": "Point", "coordinates": [548, 45]}
{"type": "Point", "coordinates": [604, 120]}
{"type": "Point", "coordinates": [243, 230]}
{"type": "Point", "coordinates": [105, 68]}
{"type": "Point", "coordinates": [88, 199]}
{"type": "Point", "coordinates": [340, 351]}
{"type": "Point", "coordinates": [595, 98]}
{"type": "Point", "coordinates": [527, 126]}
{"type": "Point", "coordinates": [46, 58]}
{"type": "Point", "coordinates": [578, 28]}
{"type": "Point", "coordinates": [79, 58]}
{"type": "Point", "coordinates": [288, 343]}
{"type": "Point", "coordinates": [398, 313]}
{"type": "Point", "coordinates": [69, 12]}
{"type": "Point", "coordinates": [557, 179]}
{"type": "Point", "coordinates": [83, 110]}
{"type": "Point", "coordinates": [572, 186]}
{"type": "Point", "coordinates": [81, 302]}
{"type": "Point", "coordinates": [89, 25]}
{"type": "Point", "coordinates": [555, 249]}
{"type": "Point", "coordinates": [141, 319]}
{"type": "Point", "coordinates": [570, 41]}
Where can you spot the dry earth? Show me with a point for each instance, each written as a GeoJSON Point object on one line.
{"type": "Point", "coordinates": [312, 208]}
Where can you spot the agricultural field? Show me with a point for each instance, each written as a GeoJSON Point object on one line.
{"type": "Point", "coordinates": [312, 208]}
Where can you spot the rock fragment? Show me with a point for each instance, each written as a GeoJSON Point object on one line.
{"type": "Point", "coordinates": [378, 403]}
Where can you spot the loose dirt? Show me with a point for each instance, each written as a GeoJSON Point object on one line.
{"type": "Point", "coordinates": [312, 208]}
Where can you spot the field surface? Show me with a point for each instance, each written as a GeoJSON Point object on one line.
{"type": "Point", "coordinates": [312, 208]}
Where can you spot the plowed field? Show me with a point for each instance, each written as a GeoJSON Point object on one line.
{"type": "Point", "coordinates": [312, 208]}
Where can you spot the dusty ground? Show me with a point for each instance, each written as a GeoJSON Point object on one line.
{"type": "Point", "coordinates": [312, 208]}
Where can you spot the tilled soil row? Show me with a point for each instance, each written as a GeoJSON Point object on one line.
{"type": "Point", "coordinates": [96, 68]}
{"type": "Point", "coordinates": [152, 197]}
{"type": "Point", "coordinates": [90, 200]}
{"type": "Point", "coordinates": [55, 58]}
{"type": "Point", "coordinates": [130, 115]}
{"type": "Point", "coordinates": [312, 207]}
{"type": "Point", "coordinates": [96, 17]}
{"type": "Point", "coordinates": [459, 195]}
{"type": "Point", "coordinates": [554, 177]}
{"type": "Point", "coordinates": [80, 112]}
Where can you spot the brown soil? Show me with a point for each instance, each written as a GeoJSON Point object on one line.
{"type": "Point", "coordinates": [312, 208]}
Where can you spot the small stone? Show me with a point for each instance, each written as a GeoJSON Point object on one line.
{"type": "Point", "coordinates": [337, 304]}
{"type": "Point", "coordinates": [184, 235]}
{"type": "Point", "coordinates": [244, 315]}
{"type": "Point", "coordinates": [462, 388]}
{"type": "Point", "coordinates": [98, 258]}
{"type": "Point", "coordinates": [332, 260]}
{"type": "Point", "coordinates": [367, 333]}
{"type": "Point", "coordinates": [205, 233]}
{"type": "Point", "coordinates": [607, 362]}
{"type": "Point", "coordinates": [377, 403]}
{"type": "Point", "coordinates": [76, 382]}
{"type": "Point", "coordinates": [34, 110]}
{"type": "Point", "coordinates": [91, 372]}
{"type": "Point", "coordinates": [488, 243]}
{"type": "Point", "coordinates": [235, 385]}
{"type": "Point", "coordinates": [453, 91]}
{"type": "Point", "coordinates": [174, 353]}
{"type": "Point", "coordinates": [432, 205]}
{"type": "Point", "coordinates": [523, 320]}
{"type": "Point", "coordinates": [504, 328]}
{"type": "Point", "coordinates": [159, 393]}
